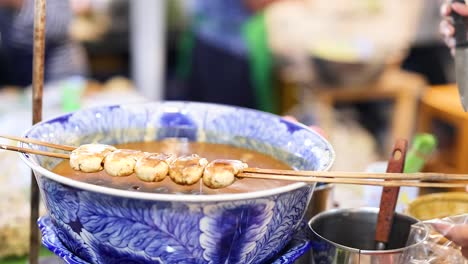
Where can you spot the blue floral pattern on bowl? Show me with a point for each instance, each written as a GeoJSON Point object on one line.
{"type": "Point", "coordinates": [104, 225]}
{"type": "Point", "coordinates": [296, 248]}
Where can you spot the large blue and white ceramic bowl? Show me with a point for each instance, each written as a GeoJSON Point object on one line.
{"type": "Point", "coordinates": [296, 248]}
{"type": "Point", "coordinates": [104, 225]}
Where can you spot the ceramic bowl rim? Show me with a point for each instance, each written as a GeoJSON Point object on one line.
{"type": "Point", "coordinates": [168, 197]}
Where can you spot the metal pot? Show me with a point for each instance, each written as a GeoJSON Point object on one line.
{"type": "Point", "coordinates": [346, 236]}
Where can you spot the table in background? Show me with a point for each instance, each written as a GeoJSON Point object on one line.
{"type": "Point", "coordinates": [402, 88]}
{"type": "Point", "coordinates": [442, 114]}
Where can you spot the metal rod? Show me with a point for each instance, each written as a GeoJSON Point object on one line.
{"type": "Point", "coordinates": [38, 84]}
{"type": "Point", "coordinates": [147, 39]}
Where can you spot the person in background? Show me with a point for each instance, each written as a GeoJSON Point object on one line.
{"type": "Point", "coordinates": [224, 57]}
{"type": "Point", "coordinates": [446, 26]}
{"type": "Point", "coordinates": [459, 233]}
{"type": "Point", "coordinates": [63, 57]}
{"type": "Point", "coordinates": [428, 55]}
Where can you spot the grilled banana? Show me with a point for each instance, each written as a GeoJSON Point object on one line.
{"type": "Point", "coordinates": [121, 162]}
{"type": "Point", "coordinates": [89, 157]}
{"type": "Point", "coordinates": [153, 167]}
{"type": "Point", "coordinates": [222, 173]}
{"type": "Point", "coordinates": [187, 169]}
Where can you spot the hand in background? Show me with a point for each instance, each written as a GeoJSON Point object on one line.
{"type": "Point", "coordinates": [81, 7]}
{"type": "Point", "coordinates": [446, 25]}
{"type": "Point", "coordinates": [16, 4]}
{"type": "Point", "coordinates": [315, 128]}
{"type": "Point", "coordinates": [456, 233]}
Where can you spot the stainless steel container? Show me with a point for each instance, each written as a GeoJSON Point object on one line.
{"type": "Point", "coordinates": [346, 236]}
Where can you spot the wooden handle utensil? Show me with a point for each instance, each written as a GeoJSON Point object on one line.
{"type": "Point", "coordinates": [389, 198]}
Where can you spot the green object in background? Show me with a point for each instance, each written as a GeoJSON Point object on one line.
{"type": "Point", "coordinates": [260, 59]}
{"type": "Point", "coordinates": [261, 63]}
{"type": "Point", "coordinates": [184, 58]}
{"type": "Point", "coordinates": [423, 146]}
{"type": "Point", "coordinates": [24, 260]}
{"type": "Point", "coordinates": [71, 93]}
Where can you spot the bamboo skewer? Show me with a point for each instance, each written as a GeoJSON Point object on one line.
{"type": "Point", "coordinates": [34, 151]}
{"type": "Point", "coordinates": [357, 178]}
{"type": "Point", "coordinates": [389, 183]}
{"type": "Point", "coordinates": [364, 175]}
{"type": "Point", "coordinates": [393, 180]}
{"type": "Point", "coordinates": [38, 142]}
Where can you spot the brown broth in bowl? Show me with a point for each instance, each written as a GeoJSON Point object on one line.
{"type": "Point", "coordinates": [179, 147]}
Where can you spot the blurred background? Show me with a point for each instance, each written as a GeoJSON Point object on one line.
{"type": "Point", "coordinates": [365, 71]}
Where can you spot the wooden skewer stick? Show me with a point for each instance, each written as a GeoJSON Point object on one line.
{"type": "Point", "coordinates": [34, 151]}
{"type": "Point", "coordinates": [324, 174]}
{"type": "Point", "coordinates": [357, 178]}
{"type": "Point", "coordinates": [393, 180]}
{"type": "Point", "coordinates": [292, 175]}
{"type": "Point", "coordinates": [391, 183]}
{"type": "Point", "coordinates": [364, 175]}
{"type": "Point", "coordinates": [40, 143]}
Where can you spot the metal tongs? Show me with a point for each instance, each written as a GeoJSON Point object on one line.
{"type": "Point", "coordinates": [461, 55]}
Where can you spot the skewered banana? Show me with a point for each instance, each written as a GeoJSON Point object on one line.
{"type": "Point", "coordinates": [90, 157]}
{"type": "Point", "coordinates": [187, 169]}
{"type": "Point", "coordinates": [222, 173]}
{"type": "Point", "coordinates": [121, 162]}
{"type": "Point", "coordinates": [154, 167]}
